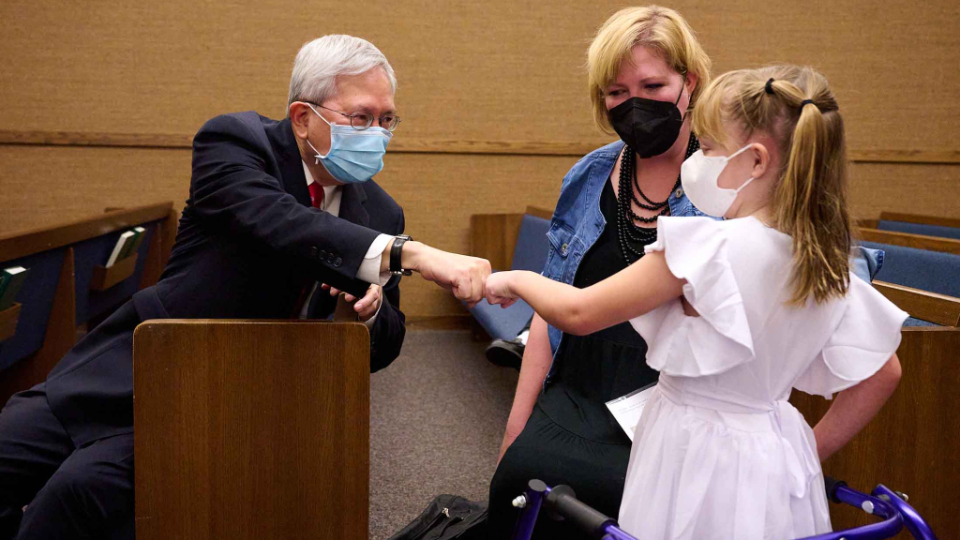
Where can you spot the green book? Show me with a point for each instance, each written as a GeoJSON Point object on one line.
{"type": "Point", "coordinates": [13, 279]}
{"type": "Point", "coordinates": [137, 240]}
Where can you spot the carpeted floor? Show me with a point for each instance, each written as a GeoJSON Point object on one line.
{"type": "Point", "coordinates": [437, 416]}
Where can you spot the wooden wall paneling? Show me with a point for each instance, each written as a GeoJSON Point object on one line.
{"type": "Point", "coordinates": [60, 337]}
{"type": "Point", "coordinates": [912, 443]}
{"type": "Point", "coordinates": [916, 241]}
{"type": "Point", "coordinates": [184, 141]}
{"type": "Point", "coordinates": [437, 191]}
{"type": "Point", "coordinates": [268, 437]}
{"type": "Point", "coordinates": [44, 185]}
{"type": "Point", "coordinates": [481, 75]}
{"type": "Point", "coordinates": [878, 187]}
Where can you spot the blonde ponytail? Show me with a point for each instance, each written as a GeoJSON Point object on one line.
{"type": "Point", "coordinates": [795, 106]}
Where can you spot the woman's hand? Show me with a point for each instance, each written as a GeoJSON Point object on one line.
{"type": "Point", "coordinates": [498, 289]}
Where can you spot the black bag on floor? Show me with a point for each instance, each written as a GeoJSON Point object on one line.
{"type": "Point", "coordinates": [448, 517]}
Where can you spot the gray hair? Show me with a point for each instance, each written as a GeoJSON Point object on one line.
{"type": "Point", "coordinates": [319, 62]}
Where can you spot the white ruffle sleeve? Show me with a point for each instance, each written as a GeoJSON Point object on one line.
{"type": "Point", "coordinates": [719, 339]}
{"type": "Point", "coordinates": [867, 336]}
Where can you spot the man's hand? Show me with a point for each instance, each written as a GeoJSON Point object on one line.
{"type": "Point", "coordinates": [460, 274]}
{"type": "Point", "coordinates": [365, 307]}
{"type": "Point", "coordinates": [498, 289]}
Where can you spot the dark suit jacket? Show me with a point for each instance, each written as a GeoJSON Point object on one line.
{"type": "Point", "coordinates": [248, 243]}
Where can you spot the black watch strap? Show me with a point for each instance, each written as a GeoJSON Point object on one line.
{"type": "Point", "coordinates": [395, 267]}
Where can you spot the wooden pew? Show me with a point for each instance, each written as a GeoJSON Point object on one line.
{"type": "Point", "coordinates": [494, 236]}
{"type": "Point", "coordinates": [57, 323]}
{"type": "Point", "coordinates": [251, 429]}
{"type": "Point", "coordinates": [912, 444]}
{"type": "Point", "coordinates": [921, 219]}
{"type": "Point", "coordinates": [917, 241]}
{"type": "Point", "coordinates": [936, 308]}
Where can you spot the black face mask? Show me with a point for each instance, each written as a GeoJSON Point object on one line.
{"type": "Point", "coordinates": [648, 126]}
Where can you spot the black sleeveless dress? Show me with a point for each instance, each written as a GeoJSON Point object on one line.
{"type": "Point", "coordinates": [571, 437]}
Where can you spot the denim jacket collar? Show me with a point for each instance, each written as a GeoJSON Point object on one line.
{"type": "Point", "coordinates": [578, 220]}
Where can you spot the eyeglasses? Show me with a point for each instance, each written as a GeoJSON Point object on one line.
{"type": "Point", "coordinates": [361, 121]}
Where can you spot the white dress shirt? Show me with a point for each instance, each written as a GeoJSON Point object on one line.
{"type": "Point", "coordinates": [369, 270]}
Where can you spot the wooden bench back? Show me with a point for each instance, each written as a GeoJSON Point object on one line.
{"type": "Point", "coordinates": [932, 307]}
{"type": "Point", "coordinates": [494, 236]}
{"type": "Point", "coordinates": [921, 219]}
{"type": "Point", "coordinates": [58, 321]}
{"type": "Point", "coordinates": [912, 444]}
{"type": "Point", "coordinates": [917, 241]}
{"type": "Point", "coordinates": [251, 429]}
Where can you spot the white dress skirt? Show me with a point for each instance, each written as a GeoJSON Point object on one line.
{"type": "Point", "coordinates": [719, 453]}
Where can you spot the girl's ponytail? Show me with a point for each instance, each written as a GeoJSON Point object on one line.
{"type": "Point", "coordinates": [795, 107]}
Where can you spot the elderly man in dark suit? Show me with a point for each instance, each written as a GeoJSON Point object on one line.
{"type": "Point", "coordinates": [282, 217]}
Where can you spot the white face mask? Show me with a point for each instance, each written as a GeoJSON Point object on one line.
{"type": "Point", "coordinates": [699, 175]}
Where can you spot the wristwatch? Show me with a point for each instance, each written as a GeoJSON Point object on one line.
{"type": "Point", "coordinates": [395, 267]}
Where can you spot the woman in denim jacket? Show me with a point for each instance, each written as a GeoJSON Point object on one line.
{"type": "Point", "coordinates": [646, 68]}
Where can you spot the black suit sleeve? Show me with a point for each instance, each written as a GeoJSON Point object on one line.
{"type": "Point", "coordinates": [386, 336]}
{"type": "Point", "coordinates": [230, 188]}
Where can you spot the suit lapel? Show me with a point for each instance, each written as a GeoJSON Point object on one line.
{"type": "Point", "coordinates": [291, 164]}
{"type": "Point", "coordinates": [353, 200]}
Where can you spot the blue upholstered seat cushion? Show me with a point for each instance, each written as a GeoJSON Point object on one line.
{"type": "Point", "coordinates": [532, 248]}
{"type": "Point", "coordinates": [919, 268]}
{"type": "Point", "coordinates": [502, 323]}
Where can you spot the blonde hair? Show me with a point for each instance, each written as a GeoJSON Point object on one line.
{"type": "Point", "coordinates": [810, 197]}
{"type": "Point", "coordinates": [663, 30]}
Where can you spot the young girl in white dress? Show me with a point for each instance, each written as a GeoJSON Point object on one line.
{"type": "Point", "coordinates": [739, 312]}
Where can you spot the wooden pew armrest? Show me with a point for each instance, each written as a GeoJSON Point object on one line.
{"type": "Point", "coordinates": [936, 308]}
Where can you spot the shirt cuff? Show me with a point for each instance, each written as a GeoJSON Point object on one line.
{"type": "Point", "coordinates": [370, 267]}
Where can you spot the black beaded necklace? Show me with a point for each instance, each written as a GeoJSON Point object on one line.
{"type": "Point", "coordinates": [633, 237]}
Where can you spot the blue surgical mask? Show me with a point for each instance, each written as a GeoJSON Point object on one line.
{"type": "Point", "coordinates": [355, 155]}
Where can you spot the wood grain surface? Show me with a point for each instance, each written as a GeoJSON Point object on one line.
{"type": "Point", "coordinates": [916, 241]}
{"type": "Point", "coordinates": [912, 444]}
{"type": "Point", "coordinates": [9, 318]}
{"type": "Point", "coordinates": [103, 278]}
{"type": "Point", "coordinates": [936, 308]}
{"type": "Point", "coordinates": [251, 429]}
{"type": "Point", "coordinates": [920, 218]}
{"type": "Point", "coordinates": [423, 146]}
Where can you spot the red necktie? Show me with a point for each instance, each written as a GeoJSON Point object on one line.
{"type": "Point", "coordinates": [316, 197]}
{"type": "Point", "coordinates": [316, 194]}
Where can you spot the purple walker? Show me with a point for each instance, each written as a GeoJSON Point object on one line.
{"type": "Point", "coordinates": [889, 506]}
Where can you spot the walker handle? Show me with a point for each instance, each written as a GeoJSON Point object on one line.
{"type": "Point", "coordinates": [564, 502]}
{"type": "Point", "coordinates": [832, 486]}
